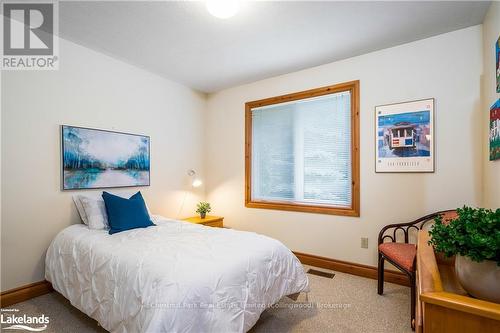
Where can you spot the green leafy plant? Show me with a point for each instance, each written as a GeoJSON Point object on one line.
{"type": "Point", "coordinates": [475, 233]}
{"type": "Point", "coordinates": [203, 207]}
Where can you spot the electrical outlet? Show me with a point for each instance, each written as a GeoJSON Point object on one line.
{"type": "Point", "coordinates": [364, 242]}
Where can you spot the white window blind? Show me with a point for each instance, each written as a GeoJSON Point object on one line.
{"type": "Point", "coordinates": [301, 151]}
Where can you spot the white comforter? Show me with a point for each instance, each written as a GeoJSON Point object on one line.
{"type": "Point", "coordinates": [175, 277]}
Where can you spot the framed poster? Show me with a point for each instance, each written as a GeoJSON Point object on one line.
{"type": "Point", "coordinates": [93, 158]}
{"type": "Point", "coordinates": [495, 131]}
{"type": "Point", "coordinates": [404, 137]}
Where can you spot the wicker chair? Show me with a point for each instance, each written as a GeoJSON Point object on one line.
{"type": "Point", "coordinates": [403, 254]}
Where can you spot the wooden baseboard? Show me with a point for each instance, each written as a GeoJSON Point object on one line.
{"type": "Point", "coordinates": [352, 268]}
{"type": "Point", "coordinates": [24, 293]}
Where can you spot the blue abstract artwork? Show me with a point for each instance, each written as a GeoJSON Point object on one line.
{"type": "Point", "coordinates": [101, 159]}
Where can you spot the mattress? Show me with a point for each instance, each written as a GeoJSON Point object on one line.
{"type": "Point", "coordinates": [175, 277]}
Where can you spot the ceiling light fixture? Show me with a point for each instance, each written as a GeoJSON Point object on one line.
{"type": "Point", "coordinates": [223, 8]}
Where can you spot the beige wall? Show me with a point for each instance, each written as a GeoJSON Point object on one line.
{"type": "Point", "coordinates": [1, 201]}
{"type": "Point", "coordinates": [90, 90]}
{"type": "Point", "coordinates": [491, 169]}
{"type": "Point", "coordinates": [446, 67]}
{"type": "Point", "coordinates": [94, 90]}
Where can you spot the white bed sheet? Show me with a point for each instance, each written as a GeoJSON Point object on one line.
{"type": "Point", "coordinates": [175, 277]}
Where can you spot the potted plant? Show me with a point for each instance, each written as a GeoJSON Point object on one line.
{"type": "Point", "coordinates": [203, 208]}
{"type": "Point", "coordinates": [474, 238]}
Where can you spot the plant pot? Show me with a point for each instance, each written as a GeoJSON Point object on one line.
{"type": "Point", "coordinates": [480, 279]}
{"type": "Point", "coordinates": [203, 215]}
{"type": "Point", "coordinates": [444, 260]}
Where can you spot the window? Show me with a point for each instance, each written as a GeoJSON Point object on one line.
{"type": "Point", "coordinates": [302, 151]}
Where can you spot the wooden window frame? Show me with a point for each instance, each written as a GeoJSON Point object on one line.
{"type": "Point", "coordinates": [354, 210]}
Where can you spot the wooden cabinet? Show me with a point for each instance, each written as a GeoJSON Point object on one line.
{"type": "Point", "coordinates": [210, 221]}
{"type": "Point", "coordinates": [442, 305]}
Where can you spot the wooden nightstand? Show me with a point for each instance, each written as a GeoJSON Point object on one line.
{"type": "Point", "coordinates": [211, 221]}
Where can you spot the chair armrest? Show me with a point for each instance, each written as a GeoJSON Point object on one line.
{"type": "Point", "coordinates": [417, 224]}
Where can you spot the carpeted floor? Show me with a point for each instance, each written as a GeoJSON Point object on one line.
{"type": "Point", "coordinates": [344, 304]}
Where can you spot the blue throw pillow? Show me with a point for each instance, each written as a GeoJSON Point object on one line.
{"type": "Point", "coordinates": [125, 214]}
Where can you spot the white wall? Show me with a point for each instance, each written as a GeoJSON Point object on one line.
{"type": "Point", "coordinates": [90, 90]}
{"type": "Point", "coordinates": [446, 67]}
{"type": "Point", "coordinates": [491, 169]}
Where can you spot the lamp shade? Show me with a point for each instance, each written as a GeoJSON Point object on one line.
{"type": "Point", "coordinates": [195, 181]}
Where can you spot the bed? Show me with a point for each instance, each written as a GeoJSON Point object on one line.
{"type": "Point", "coordinates": [174, 277]}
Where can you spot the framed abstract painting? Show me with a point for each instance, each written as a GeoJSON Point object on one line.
{"type": "Point", "coordinates": [93, 158]}
{"type": "Point", "coordinates": [497, 57]}
{"type": "Point", "coordinates": [404, 137]}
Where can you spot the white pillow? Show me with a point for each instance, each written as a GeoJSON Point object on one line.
{"type": "Point", "coordinates": [79, 208]}
{"type": "Point", "coordinates": [95, 210]}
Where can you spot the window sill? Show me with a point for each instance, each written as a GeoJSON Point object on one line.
{"type": "Point", "coordinates": [317, 209]}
